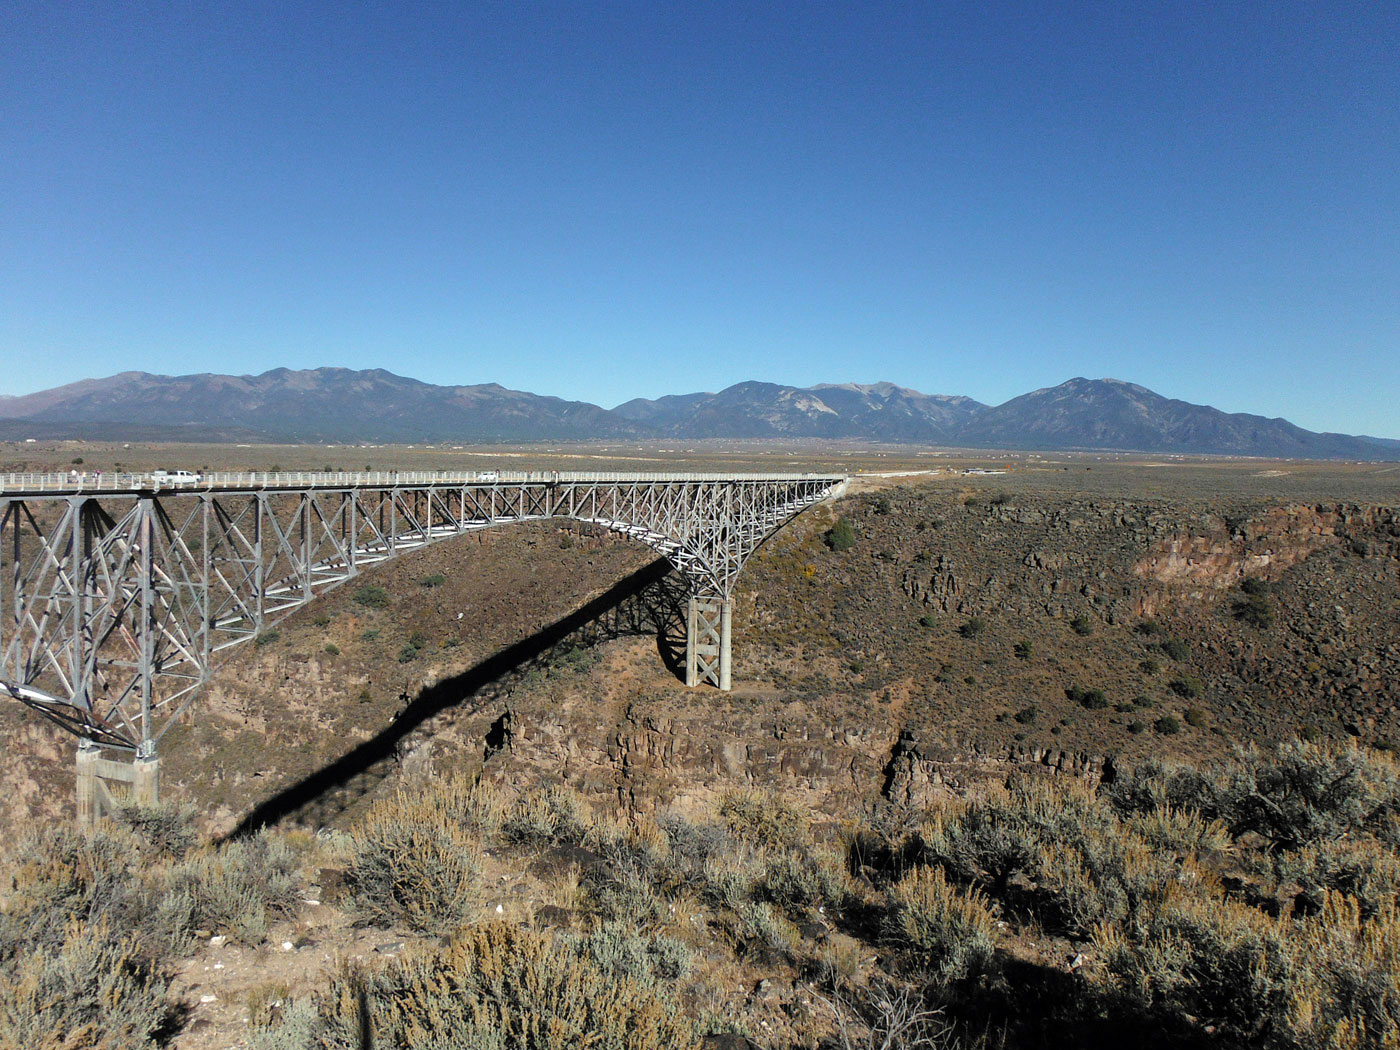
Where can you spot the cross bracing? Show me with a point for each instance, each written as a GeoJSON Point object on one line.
{"type": "Point", "coordinates": [120, 592]}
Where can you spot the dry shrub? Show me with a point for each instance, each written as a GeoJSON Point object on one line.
{"type": "Point", "coordinates": [620, 951]}
{"type": "Point", "coordinates": [638, 843]}
{"type": "Point", "coordinates": [413, 863]}
{"type": "Point", "coordinates": [942, 930]}
{"type": "Point", "coordinates": [478, 807]}
{"type": "Point", "coordinates": [885, 1017]}
{"type": "Point", "coordinates": [554, 815]}
{"type": "Point", "coordinates": [498, 986]}
{"type": "Point", "coordinates": [236, 888]}
{"type": "Point", "coordinates": [1349, 994]}
{"type": "Point", "coordinates": [764, 819]}
{"type": "Point", "coordinates": [92, 989]}
{"type": "Point", "coordinates": [1361, 868]}
{"type": "Point", "coordinates": [1051, 848]}
{"type": "Point", "coordinates": [800, 880]}
{"type": "Point", "coordinates": [1216, 960]}
{"type": "Point", "coordinates": [61, 875]}
{"type": "Point", "coordinates": [1181, 831]}
{"type": "Point", "coordinates": [162, 830]}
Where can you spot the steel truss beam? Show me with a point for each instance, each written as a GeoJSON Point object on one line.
{"type": "Point", "coordinates": [118, 594]}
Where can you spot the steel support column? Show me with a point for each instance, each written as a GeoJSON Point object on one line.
{"type": "Point", "coordinates": [707, 641]}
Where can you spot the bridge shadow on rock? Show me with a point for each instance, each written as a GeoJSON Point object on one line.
{"type": "Point", "coordinates": [651, 600]}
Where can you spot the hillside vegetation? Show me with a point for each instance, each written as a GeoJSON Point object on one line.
{"type": "Point", "coordinates": [1252, 903]}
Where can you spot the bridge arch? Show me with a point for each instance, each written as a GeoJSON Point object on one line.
{"type": "Point", "coordinates": [120, 592]}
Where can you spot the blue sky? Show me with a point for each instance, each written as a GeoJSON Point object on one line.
{"type": "Point", "coordinates": [610, 200]}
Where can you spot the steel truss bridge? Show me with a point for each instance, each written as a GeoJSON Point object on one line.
{"type": "Point", "coordinates": [120, 592]}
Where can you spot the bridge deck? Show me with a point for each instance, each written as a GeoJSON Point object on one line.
{"type": "Point", "coordinates": [56, 484]}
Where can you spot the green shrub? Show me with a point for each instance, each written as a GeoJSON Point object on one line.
{"type": "Point", "coordinates": [296, 1026]}
{"type": "Point", "coordinates": [690, 846]}
{"type": "Point", "coordinates": [322, 619]}
{"type": "Point", "coordinates": [973, 627]}
{"type": "Point", "coordinates": [267, 637]}
{"type": "Point", "coordinates": [841, 536]}
{"type": "Point", "coordinates": [1363, 869]}
{"type": "Point", "coordinates": [1155, 784]}
{"type": "Point", "coordinates": [437, 579]}
{"type": "Point", "coordinates": [60, 876]}
{"type": "Point", "coordinates": [1186, 687]}
{"type": "Point", "coordinates": [1081, 626]}
{"type": "Point", "coordinates": [1167, 725]}
{"type": "Point", "coordinates": [1255, 610]}
{"type": "Point", "coordinates": [1082, 865]}
{"type": "Point", "coordinates": [760, 922]}
{"type": "Point", "coordinates": [499, 987]}
{"type": "Point", "coordinates": [1093, 699]}
{"type": "Point", "coordinates": [1023, 650]}
{"type": "Point", "coordinates": [1195, 717]}
{"type": "Point", "coordinates": [1027, 715]}
{"type": "Point", "coordinates": [415, 863]}
{"type": "Point", "coordinates": [1150, 666]}
{"type": "Point", "coordinates": [1175, 649]}
{"type": "Point", "coordinates": [331, 649]}
{"type": "Point", "coordinates": [942, 931]}
{"type": "Point", "coordinates": [927, 621]}
{"type": "Point", "coordinates": [372, 596]}
{"type": "Point", "coordinates": [625, 894]}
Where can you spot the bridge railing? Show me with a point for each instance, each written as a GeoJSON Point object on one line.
{"type": "Point", "coordinates": [102, 481]}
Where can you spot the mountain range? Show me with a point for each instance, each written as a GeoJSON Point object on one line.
{"type": "Point", "coordinates": [341, 405]}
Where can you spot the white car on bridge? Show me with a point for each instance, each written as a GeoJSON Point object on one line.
{"type": "Point", "coordinates": [176, 477]}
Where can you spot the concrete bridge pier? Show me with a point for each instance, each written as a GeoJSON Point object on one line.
{"type": "Point", "coordinates": [95, 798]}
{"type": "Point", "coordinates": [707, 640]}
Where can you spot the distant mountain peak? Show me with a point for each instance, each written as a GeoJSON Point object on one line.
{"type": "Point", "coordinates": [347, 405]}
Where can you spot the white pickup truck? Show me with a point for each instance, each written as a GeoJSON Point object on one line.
{"type": "Point", "coordinates": [176, 477]}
